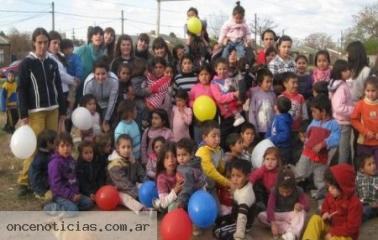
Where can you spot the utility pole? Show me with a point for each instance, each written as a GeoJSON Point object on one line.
{"type": "Point", "coordinates": [73, 34]}
{"type": "Point", "coordinates": [53, 15]}
{"type": "Point", "coordinates": [255, 29]}
{"type": "Point", "coordinates": [341, 40]}
{"type": "Point", "coordinates": [158, 14]}
{"type": "Point", "coordinates": [122, 23]}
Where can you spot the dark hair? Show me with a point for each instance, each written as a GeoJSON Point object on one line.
{"type": "Point", "coordinates": [83, 145]}
{"type": "Point", "coordinates": [339, 67]}
{"type": "Point", "coordinates": [175, 49]}
{"type": "Point", "coordinates": [124, 108]}
{"type": "Point", "coordinates": [283, 104]}
{"type": "Point", "coordinates": [232, 138]}
{"type": "Point", "coordinates": [45, 137]}
{"type": "Point", "coordinates": [66, 43]}
{"type": "Point", "coordinates": [321, 87]}
{"type": "Point", "coordinates": [220, 61]}
{"type": "Point", "coordinates": [361, 159]}
{"type": "Point", "coordinates": [118, 45]}
{"type": "Point", "coordinates": [167, 147]}
{"type": "Point", "coordinates": [157, 60]}
{"type": "Point", "coordinates": [54, 35]}
{"type": "Point", "coordinates": [110, 47]}
{"type": "Point", "coordinates": [301, 56]}
{"type": "Point", "coordinates": [96, 30]}
{"type": "Point", "coordinates": [193, 9]}
{"type": "Point", "coordinates": [206, 67]}
{"type": "Point", "coordinates": [156, 140]}
{"type": "Point", "coordinates": [284, 38]}
{"type": "Point", "coordinates": [324, 53]}
{"type": "Point", "coordinates": [270, 50]}
{"type": "Point", "coordinates": [100, 64]}
{"type": "Point", "coordinates": [63, 137]}
{"type": "Point", "coordinates": [86, 98]}
{"type": "Point", "coordinates": [122, 66]}
{"type": "Point", "coordinates": [40, 31]}
{"type": "Point", "coordinates": [322, 103]}
{"type": "Point", "coordinates": [187, 144]}
{"type": "Point", "coordinates": [286, 76]}
{"type": "Point", "coordinates": [182, 94]}
{"type": "Point", "coordinates": [286, 178]}
{"type": "Point", "coordinates": [186, 56]}
{"type": "Point", "coordinates": [261, 74]}
{"type": "Point", "coordinates": [208, 126]}
{"type": "Point", "coordinates": [163, 115]}
{"type": "Point", "coordinates": [247, 125]}
{"type": "Point", "coordinates": [330, 179]}
{"type": "Point", "coordinates": [242, 165]}
{"type": "Point", "coordinates": [159, 42]}
{"type": "Point", "coordinates": [357, 57]}
{"type": "Point", "coordinates": [101, 141]}
{"type": "Point", "coordinates": [139, 66]}
{"type": "Point", "coordinates": [276, 152]}
{"type": "Point", "coordinates": [125, 137]}
{"type": "Point", "coordinates": [269, 31]}
{"type": "Point", "coordinates": [144, 37]}
{"type": "Point", "coordinates": [373, 80]}
{"type": "Point", "coordinates": [238, 9]}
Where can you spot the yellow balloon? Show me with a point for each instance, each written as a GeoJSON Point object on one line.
{"type": "Point", "coordinates": [194, 25]}
{"type": "Point", "coordinates": [204, 108]}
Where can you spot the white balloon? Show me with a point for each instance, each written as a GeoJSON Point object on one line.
{"type": "Point", "coordinates": [82, 119]}
{"type": "Point", "coordinates": [258, 152]}
{"type": "Point", "coordinates": [23, 142]}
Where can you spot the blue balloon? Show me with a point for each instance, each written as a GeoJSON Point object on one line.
{"type": "Point", "coordinates": [203, 209]}
{"type": "Point", "coordinates": [147, 192]}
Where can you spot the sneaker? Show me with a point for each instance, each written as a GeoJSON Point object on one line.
{"type": "Point", "coordinates": [288, 236]}
{"type": "Point", "coordinates": [23, 190]}
{"type": "Point", "coordinates": [238, 121]}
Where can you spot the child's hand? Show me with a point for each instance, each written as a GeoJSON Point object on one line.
{"type": "Point", "coordinates": [93, 197]}
{"type": "Point", "coordinates": [298, 207]}
{"type": "Point", "coordinates": [274, 229]}
{"type": "Point", "coordinates": [328, 236]}
{"type": "Point", "coordinates": [370, 135]}
{"type": "Point", "coordinates": [225, 41]}
{"type": "Point", "coordinates": [76, 197]}
{"type": "Point", "coordinates": [317, 147]}
{"type": "Point", "coordinates": [236, 94]}
{"type": "Point", "coordinates": [326, 216]}
{"type": "Point", "coordinates": [178, 187]}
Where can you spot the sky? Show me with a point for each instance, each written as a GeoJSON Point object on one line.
{"type": "Point", "coordinates": [297, 18]}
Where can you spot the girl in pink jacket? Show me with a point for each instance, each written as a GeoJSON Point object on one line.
{"type": "Point", "coordinates": [342, 106]}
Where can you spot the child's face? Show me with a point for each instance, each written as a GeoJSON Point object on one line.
{"type": "Point", "coordinates": [156, 121]}
{"type": "Point", "coordinates": [64, 149]}
{"type": "Point", "coordinates": [142, 45]}
{"type": "Point", "coordinates": [213, 138]}
{"type": "Point", "coordinates": [54, 46]}
{"type": "Point", "coordinates": [222, 70]}
{"type": "Point", "coordinates": [317, 114]}
{"type": "Point", "coordinates": [157, 147]}
{"type": "Point", "coordinates": [233, 57]}
{"type": "Point", "coordinates": [183, 156]}
{"type": "Point", "coordinates": [268, 40]}
{"type": "Point", "coordinates": [10, 77]}
{"type": "Point", "coordinates": [91, 106]}
{"type": "Point", "coordinates": [270, 57]}
{"type": "Point", "coordinates": [68, 51]}
{"type": "Point", "coordinates": [159, 52]}
{"type": "Point", "coordinates": [369, 167]}
{"type": "Point", "coordinates": [292, 85]}
{"type": "Point", "coordinates": [97, 39]}
{"type": "Point", "coordinates": [191, 14]}
{"type": "Point", "coordinates": [100, 75]}
{"type": "Point", "coordinates": [284, 49]}
{"type": "Point", "coordinates": [270, 161]}
{"type": "Point", "coordinates": [248, 136]}
{"type": "Point", "coordinates": [334, 191]}
{"type": "Point", "coordinates": [238, 178]}
{"type": "Point", "coordinates": [87, 154]}
{"type": "Point", "coordinates": [322, 62]}
{"type": "Point", "coordinates": [238, 18]}
{"type": "Point", "coordinates": [186, 66]}
{"type": "Point", "coordinates": [180, 53]}
{"type": "Point", "coordinates": [124, 148]}
{"type": "Point", "coordinates": [285, 192]}
{"type": "Point", "coordinates": [124, 75]}
{"type": "Point", "coordinates": [159, 70]}
{"type": "Point", "coordinates": [204, 77]}
{"type": "Point", "coordinates": [266, 84]}
{"type": "Point", "coordinates": [180, 103]}
{"type": "Point", "coordinates": [168, 72]}
{"type": "Point", "coordinates": [371, 92]}
{"type": "Point", "coordinates": [125, 48]}
{"type": "Point", "coordinates": [237, 148]}
{"type": "Point", "coordinates": [345, 75]}
{"type": "Point", "coordinates": [301, 65]}
{"type": "Point", "coordinates": [170, 162]}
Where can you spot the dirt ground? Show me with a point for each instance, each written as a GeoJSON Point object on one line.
{"type": "Point", "coordinates": [10, 167]}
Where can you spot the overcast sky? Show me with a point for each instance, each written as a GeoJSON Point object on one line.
{"type": "Point", "coordinates": [298, 18]}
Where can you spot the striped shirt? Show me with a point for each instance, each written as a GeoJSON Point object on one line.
{"type": "Point", "coordinates": [185, 81]}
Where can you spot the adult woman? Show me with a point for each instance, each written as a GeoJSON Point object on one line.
{"type": "Point", "coordinates": [124, 53]}
{"type": "Point", "coordinates": [142, 47]}
{"type": "Point", "coordinates": [104, 86]}
{"type": "Point", "coordinates": [109, 42]}
{"type": "Point", "coordinates": [40, 94]}
{"type": "Point", "coordinates": [160, 49]}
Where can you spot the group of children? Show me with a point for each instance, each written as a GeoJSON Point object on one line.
{"type": "Point", "coordinates": [151, 133]}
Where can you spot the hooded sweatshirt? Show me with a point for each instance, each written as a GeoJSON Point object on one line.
{"type": "Point", "coordinates": [235, 32]}
{"type": "Point", "coordinates": [347, 208]}
{"type": "Point", "coordinates": [342, 104]}
{"type": "Point", "coordinates": [280, 131]}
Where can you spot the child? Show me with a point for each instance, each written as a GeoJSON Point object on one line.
{"type": "Point", "coordinates": [304, 78]}
{"type": "Point", "coordinates": [287, 207]}
{"type": "Point", "coordinates": [342, 106]}
{"type": "Point", "coordinates": [125, 90]}
{"type": "Point", "coordinates": [263, 99]}
{"type": "Point", "coordinates": [168, 186]}
{"type": "Point", "coordinates": [103, 149]}
{"type": "Point", "coordinates": [38, 176]}
{"type": "Point", "coordinates": [341, 211]}
{"type": "Point", "coordinates": [364, 119]}
{"type": "Point", "coordinates": [178, 53]}
{"type": "Point", "coordinates": [270, 54]}
{"type": "Point", "coordinates": [226, 97]}
{"type": "Point", "coordinates": [125, 172]}
{"type": "Point", "coordinates": [89, 102]}
{"type": "Point", "coordinates": [159, 127]}
{"type": "Point", "coordinates": [322, 138]}
{"type": "Point", "coordinates": [320, 88]}
{"type": "Point", "coordinates": [86, 170]}
{"type": "Point", "coordinates": [248, 134]}
{"type": "Point", "coordinates": [127, 113]}
{"type": "Point", "coordinates": [189, 170]}
{"type": "Point", "coordinates": [266, 176]}
{"type": "Point", "coordinates": [367, 186]}
{"type": "Point", "coordinates": [235, 33]}
{"type": "Point", "coordinates": [268, 38]}
{"type": "Point", "coordinates": [187, 78]}
{"type": "Point", "coordinates": [157, 145]}
{"type": "Point", "coordinates": [280, 131]}
{"type": "Point", "coordinates": [63, 180]}
{"type": "Point", "coordinates": [322, 70]}
{"type": "Point", "coordinates": [9, 102]}
{"type": "Point", "coordinates": [181, 116]}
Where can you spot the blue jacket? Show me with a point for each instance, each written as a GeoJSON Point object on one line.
{"type": "Point", "coordinates": [75, 66]}
{"type": "Point", "coordinates": [280, 131]}
{"type": "Point", "coordinates": [131, 129]}
{"type": "Point", "coordinates": [38, 176]}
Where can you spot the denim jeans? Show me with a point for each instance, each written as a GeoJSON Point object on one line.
{"type": "Point", "coordinates": [68, 207]}
{"type": "Point", "coordinates": [345, 144]}
{"type": "Point", "coordinates": [239, 46]}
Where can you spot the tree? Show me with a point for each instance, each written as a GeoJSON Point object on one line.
{"type": "Point", "coordinates": [20, 43]}
{"type": "Point", "coordinates": [319, 41]}
{"type": "Point", "coordinates": [215, 24]}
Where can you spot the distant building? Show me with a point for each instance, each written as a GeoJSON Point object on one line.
{"type": "Point", "coordinates": [5, 55]}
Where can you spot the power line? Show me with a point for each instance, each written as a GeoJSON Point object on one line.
{"type": "Point", "coordinates": [22, 20]}
{"type": "Point", "coordinates": [19, 11]}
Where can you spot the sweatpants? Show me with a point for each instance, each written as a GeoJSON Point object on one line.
{"type": "Point", "coordinates": [317, 229]}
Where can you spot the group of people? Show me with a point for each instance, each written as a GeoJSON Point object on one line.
{"type": "Point", "coordinates": [141, 106]}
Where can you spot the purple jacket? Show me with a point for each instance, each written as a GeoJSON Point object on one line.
{"type": "Point", "coordinates": [62, 177]}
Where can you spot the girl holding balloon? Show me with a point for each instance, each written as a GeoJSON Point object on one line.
{"type": "Point", "coordinates": [89, 102]}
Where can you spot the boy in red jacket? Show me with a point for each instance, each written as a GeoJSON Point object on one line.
{"type": "Point", "coordinates": [341, 213]}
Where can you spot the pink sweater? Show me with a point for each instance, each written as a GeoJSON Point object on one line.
{"type": "Point", "coordinates": [149, 135]}
{"type": "Point", "coordinates": [181, 122]}
{"type": "Point", "coordinates": [226, 101]}
{"type": "Point", "coordinates": [235, 32]}
{"type": "Point", "coordinates": [342, 103]}
{"type": "Point", "coordinates": [199, 90]}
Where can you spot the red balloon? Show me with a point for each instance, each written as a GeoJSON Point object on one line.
{"type": "Point", "coordinates": [176, 225]}
{"type": "Point", "coordinates": [107, 198]}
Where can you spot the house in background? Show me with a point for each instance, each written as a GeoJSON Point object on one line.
{"type": "Point", "coordinates": [5, 55]}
